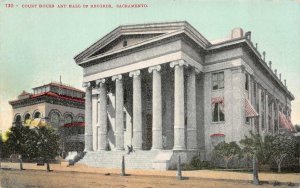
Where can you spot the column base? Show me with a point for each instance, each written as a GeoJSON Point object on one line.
{"type": "Point", "coordinates": [138, 149]}
{"type": "Point", "coordinates": [179, 148]}
{"type": "Point", "coordinates": [156, 149]}
{"type": "Point", "coordinates": [192, 149]}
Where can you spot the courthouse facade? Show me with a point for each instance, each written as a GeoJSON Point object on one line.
{"type": "Point", "coordinates": [166, 91]}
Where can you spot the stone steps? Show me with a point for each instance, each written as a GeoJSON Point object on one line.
{"type": "Point", "coordinates": [113, 159]}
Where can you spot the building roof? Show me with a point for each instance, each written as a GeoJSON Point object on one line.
{"type": "Point", "coordinates": [24, 93]}
{"type": "Point", "coordinates": [61, 85]}
{"type": "Point", "coordinates": [50, 94]}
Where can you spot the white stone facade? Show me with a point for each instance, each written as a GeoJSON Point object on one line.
{"type": "Point", "coordinates": [164, 87]}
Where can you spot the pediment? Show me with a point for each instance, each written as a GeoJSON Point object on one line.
{"type": "Point", "coordinates": [124, 37]}
{"type": "Point", "coordinates": [124, 41]}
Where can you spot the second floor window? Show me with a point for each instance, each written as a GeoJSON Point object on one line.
{"type": "Point", "coordinates": [218, 80]}
{"type": "Point", "coordinates": [247, 82]}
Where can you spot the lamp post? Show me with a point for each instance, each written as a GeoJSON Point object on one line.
{"type": "Point", "coordinates": [254, 162]}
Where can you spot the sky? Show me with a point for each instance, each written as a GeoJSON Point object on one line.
{"type": "Point", "coordinates": [38, 45]}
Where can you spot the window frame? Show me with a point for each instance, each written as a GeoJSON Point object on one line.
{"type": "Point", "coordinates": [219, 112]}
{"type": "Point", "coordinates": [218, 80]}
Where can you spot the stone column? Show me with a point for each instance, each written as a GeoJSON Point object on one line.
{"type": "Point", "coordinates": [102, 115]}
{"type": "Point", "coordinates": [273, 117]}
{"type": "Point", "coordinates": [137, 139]}
{"type": "Point", "coordinates": [179, 127]}
{"type": "Point", "coordinates": [157, 143]}
{"type": "Point", "coordinates": [259, 111]}
{"type": "Point", "coordinates": [191, 110]}
{"type": "Point", "coordinates": [95, 117]}
{"type": "Point", "coordinates": [88, 146]}
{"type": "Point", "coordinates": [267, 113]}
{"type": "Point", "coordinates": [119, 112]}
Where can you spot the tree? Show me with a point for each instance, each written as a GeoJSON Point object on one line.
{"type": "Point", "coordinates": [227, 151]}
{"type": "Point", "coordinates": [253, 146]}
{"type": "Point", "coordinates": [47, 143]}
{"type": "Point", "coordinates": [32, 142]}
{"type": "Point", "coordinates": [261, 147]}
{"type": "Point", "coordinates": [283, 146]}
{"type": "Point", "coordinates": [16, 141]}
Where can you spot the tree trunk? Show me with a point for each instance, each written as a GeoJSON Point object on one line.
{"type": "Point", "coordinates": [255, 171]}
{"type": "Point", "coordinates": [21, 162]}
{"type": "Point", "coordinates": [226, 164]}
{"type": "Point", "coordinates": [279, 167]}
{"type": "Point", "coordinates": [48, 166]}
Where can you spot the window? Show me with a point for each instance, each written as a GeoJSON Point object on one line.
{"type": "Point", "coordinates": [68, 119]}
{"type": "Point", "coordinates": [218, 80]}
{"type": "Point", "coordinates": [247, 120]}
{"type": "Point", "coordinates": [247, 82]}
{"type": "Point", "coordinates": [124, 120]}
{"type": "Point", "coordinates": [80, 119]}
{"type": "Point", "coordinates": [124, 43]}
{"type": "Point", "coordinates": [37, 115]}
{"type": "Point", "coordinates": [218, 109]}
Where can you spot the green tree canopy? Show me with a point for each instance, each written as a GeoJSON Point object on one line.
{"type": "Point", "coordinates": [227, 151]}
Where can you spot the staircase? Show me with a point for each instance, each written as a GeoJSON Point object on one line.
{"type": "Point", "coordinates": [136, 160]}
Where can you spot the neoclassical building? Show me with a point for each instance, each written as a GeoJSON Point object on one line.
{"type": "Point", "coordinates": [57, 104]}
{"type": "Point", "coordinates": [166, 91]}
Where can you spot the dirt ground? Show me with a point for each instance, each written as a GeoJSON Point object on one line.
{"type": "Point", "coordinates": [30, 178]}
{"type": "Point", "coordinates": [83, 176]}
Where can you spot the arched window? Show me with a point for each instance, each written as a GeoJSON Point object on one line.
{"type": "Point", "coordinates": [68, 119]}
{"type": "Point", "coordinates": [18, 120]}
{"type": "Point", "coordinates": [37, 115]}
{"type": "Point", "coordinates": [27, 116]}
{"type": "Point", "coordinates": [55, 119]}
{"type": "Point", "coordinates": [80, 119]}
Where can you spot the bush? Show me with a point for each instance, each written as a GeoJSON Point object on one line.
{"type": "Point", "coordinates": [197, 164]}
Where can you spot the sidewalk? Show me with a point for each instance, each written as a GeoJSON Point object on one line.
{"type": "Point", "coordinates": [204, 174]}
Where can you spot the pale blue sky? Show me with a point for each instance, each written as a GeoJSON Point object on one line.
{"type": "Point", "coordinates": [38, 45]}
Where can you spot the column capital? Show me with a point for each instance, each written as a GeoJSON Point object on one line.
{"type": "Point", "coordinates": [100, 81]}
{"type": "Point", "coordinates": [117, 77]}
{"type": "Point", "coordinates": [86, 84]}
{"type": "Point", "coordinates": [134, 73]}
{"type": "Point", "coordinates": [154, 68]}
{"type": "Point", "coordinates": [179, 63]}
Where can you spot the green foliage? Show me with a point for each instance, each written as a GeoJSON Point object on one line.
{"type": "Point", "coordinates": [271, 146]}
{"type": "Point", "coordinates": [31, 143]}
{"type": "Point", "coordinates": [261, 147]}
{"type": "Point", "coordinates": [227, 151]}
{"type": "Point", "coordinates": [197, 164]}
{"type": "Point", "coordinates": [18, 136]}
{"type": "Point", "coordinates": [283, 147]}
{"type": "Point", "coordinates": [47, 144]}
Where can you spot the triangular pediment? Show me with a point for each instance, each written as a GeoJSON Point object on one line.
{"type": "Point", "coordinates": [124, 41]}
{"type": "Point", "coordinates": [124, 37]}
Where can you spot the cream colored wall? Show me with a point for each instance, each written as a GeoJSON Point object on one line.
{"type": "Point", "coordinates": [31, 110]}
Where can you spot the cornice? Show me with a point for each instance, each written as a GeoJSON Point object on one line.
{"type": "Point", "coordinates": [45, 99]}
